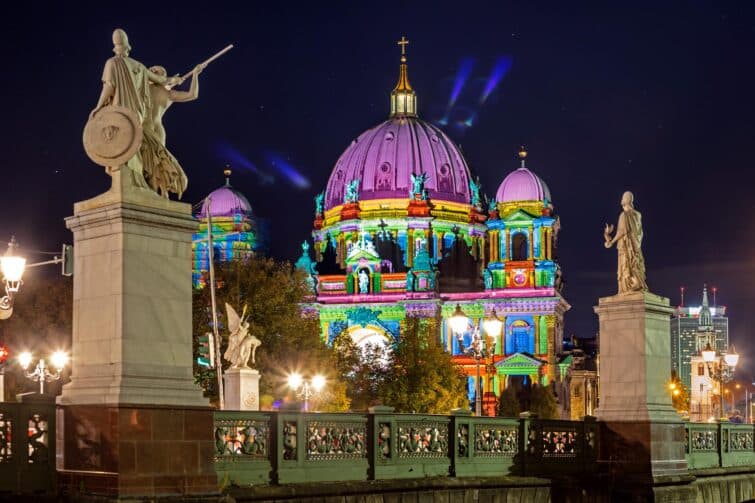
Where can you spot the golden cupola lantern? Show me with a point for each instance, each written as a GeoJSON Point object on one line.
{"type": "Point", "coordinates": [403, 97]}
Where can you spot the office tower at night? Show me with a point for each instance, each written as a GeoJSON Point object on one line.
{"type": "Point", "coordinates": [687, 323]}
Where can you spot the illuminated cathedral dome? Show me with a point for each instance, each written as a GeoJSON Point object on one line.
{"type": "Point", "coordinates": [226, 201]}
{"type": "Point", "coordinates": [522, 185]}
{"type": "Point", "coordinates": [384, 157]}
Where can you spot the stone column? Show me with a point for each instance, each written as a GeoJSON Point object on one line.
{"type": "Point", "coordinates": [134, 422]}
{"type": "Point", "coordinates": [642, 435]}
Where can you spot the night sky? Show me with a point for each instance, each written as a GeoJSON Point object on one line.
{"type": "Point", "coordinates": [657, 100]}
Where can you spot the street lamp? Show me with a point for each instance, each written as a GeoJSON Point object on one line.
{"type": "Point", "coordinates": [306, 389]}
{"type": "Point", "coordinates": [12, 266]}
{"type": "Point", "coordinates": [721, 374]}
{"type": "Point", "coordinates": [477, 350]}
{"type": "Point", "coordinates": [41, 372]}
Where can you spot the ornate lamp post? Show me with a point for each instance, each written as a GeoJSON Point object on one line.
{"type": "Point", "coordinates": [12, 267]}
{"type": "Point", "coordinates": [477, 350]}
{"type": "Point", "coordinates": [41, 372]}
{"type": "Point", "coordinates": [720, 374]}
{"type": "Point", "coordinates": [306, 389]}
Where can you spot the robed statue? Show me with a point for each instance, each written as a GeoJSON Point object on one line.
{"type": "Point", "coordinates": [628, 241]}
{"type": "Point", "coordinates": [125, 131]}
{"type": "Point", "coordinates": [241, 344]}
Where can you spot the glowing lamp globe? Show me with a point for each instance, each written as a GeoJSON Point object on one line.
{"type": "Point", "coordinates": [493, 325]}
{"type": "Point", "coordinates": [12, 267]}
{"type": "Point", "coordinates": [318, 382]}
{"type": "Point", "coordinates": [295, 380]}
{"type": "Point", "coordinates": [458, 320]}
{"type": "Point", "coordinates": [732, 358]}
{"type": "Point", "coordinates": [24, 359]}
{"type": "Point", "coordinates": [709, 354]}
{"type": "Point", "coordinates": [59, 360]}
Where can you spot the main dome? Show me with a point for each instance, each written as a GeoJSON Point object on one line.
{"type": "Point", "coordinates": [522, 185]}
{"type": "Point", "coordinates": [384, 158]}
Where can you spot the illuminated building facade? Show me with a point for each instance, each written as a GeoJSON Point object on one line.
{"type": "Point", "coordinates": [687, 324]}
{"type": "Point", "coordinates": [402, 229]}
{"type": "Point", "coordinates": [236, 232]}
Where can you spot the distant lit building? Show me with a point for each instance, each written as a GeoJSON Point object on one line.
{"type": "Point", "coordinates": [688, 326]}
{"type": "Point", "coordinates": [236, 232]}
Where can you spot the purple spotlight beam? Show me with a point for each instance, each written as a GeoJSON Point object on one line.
{"type": "Point", "coordinates": [279, 163]}
{"type": "Point", "coordinates": [500, 69]}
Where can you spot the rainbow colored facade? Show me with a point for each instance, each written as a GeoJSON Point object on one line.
{"type": "Point", "coordinates": [235, 230]}
{"type": "Point", "coordinates": [403, 229]}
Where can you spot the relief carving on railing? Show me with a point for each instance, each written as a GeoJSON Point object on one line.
{"type": "Point", "coordinates": [39, 452]}
{"type": "Point", "coordinates": [704, 440]}
{"type": "Point", "coordinates": [384, 440]}
{"type": "Point", "coordinates": [462, 448]}
{"type": "Point", "coordinates": [331, 440]}
{"type": "Point", "coordinates": [559, 444]}
{"type": "Point", "coordinates": [241, 437]}
{"type": "Point", "coordinates": [740, 441]}
{"type": "Point", "coordinates": [422, 440]}
{"type": "Point", "coordinates": [495, 441]}
{"type": "Point", "coordinates": [289, 440]}
{"type": "Point", "coordinates": [6, 433]}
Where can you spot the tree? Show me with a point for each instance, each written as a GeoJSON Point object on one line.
{"type": "Point", "coordinates": [362, 369]}
{"type": "Point", "coordinates": [508, 403]}
{"type": "Point", "coordinates": [543, 402]}
{"type": "Point", "coordinates": [420, 374]}
{"type": "Point", "coordinates": [273, 293]}
{"type": "Point", "coordinates": [679, 393]}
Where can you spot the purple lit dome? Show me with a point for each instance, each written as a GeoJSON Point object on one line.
{"type": "Point", "coordinates": [384, 158]}
{"type": "Point", "coordinates": [522, 185]}
{"type": "Point", "coordinates": [226, 202]}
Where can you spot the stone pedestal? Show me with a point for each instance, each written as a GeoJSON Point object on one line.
{"type": "Point", "coordinates": [641, 433]}
{"type": "Point", "coordinates": [134, 421]}
{"type": "Point", "coordinates": [242, 389]}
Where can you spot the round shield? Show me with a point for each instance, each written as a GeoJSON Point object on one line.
{"type": "Point", "coordinates": [112, 136]}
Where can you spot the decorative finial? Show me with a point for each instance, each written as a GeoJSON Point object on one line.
{"type": "Point", "coordinates": [522, 154]}
{"type": "Point", "coordinates": [227, 173]}
{"type": "Point", "coordinates": [403, 98]}
{"type": "Point", "coordinates": [403, 43]}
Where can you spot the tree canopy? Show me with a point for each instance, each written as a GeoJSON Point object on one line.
{"type": "Point", "coordinates": [420, 374]}
{"type": "Point", "coordinates": [273, 293]}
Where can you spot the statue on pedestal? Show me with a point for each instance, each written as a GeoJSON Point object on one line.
{"type": "Point", "coordinates": [241, 345]}
{"type": "Point", "coordinates": [628, 240]}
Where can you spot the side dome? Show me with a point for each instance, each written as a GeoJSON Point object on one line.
{"type": "Point", "coordinates": [226, 202]}
{"type": "Point", "coordinates": [384, 158]}
{"type": "Point", "coordinates": [523, 185]}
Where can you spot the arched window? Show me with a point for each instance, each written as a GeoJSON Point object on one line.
{"type": "Point", "coordinates": [519, 246]}
{"type": "Point", "coordinates": [700, 369]}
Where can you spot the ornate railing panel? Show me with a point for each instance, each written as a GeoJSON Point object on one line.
{"type": "Point", "coordinates": [242, 437]}
{"type": "Point", "coordinates": [27, 446]}
{"type": "Point", "coordinates": [496, 441]}
{"type": "Point", "coordinates": [6, 434]}
{"type": "Point", "coordinates": [704, 440]}
{"type": "Point", "coordinates": [333, 440]}
{"type": "Point", "coordinates": [740, 440]}
{"type": "Point", "coordinates": [422, 440]}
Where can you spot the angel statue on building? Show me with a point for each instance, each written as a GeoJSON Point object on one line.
{"type": "Point", "coordinates": [241, 344]}
{"type": "Point", "coordinates": [628, 240]}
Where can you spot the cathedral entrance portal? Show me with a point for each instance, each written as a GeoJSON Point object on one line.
{"type": "Point", "coordinates": [371, 336]}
